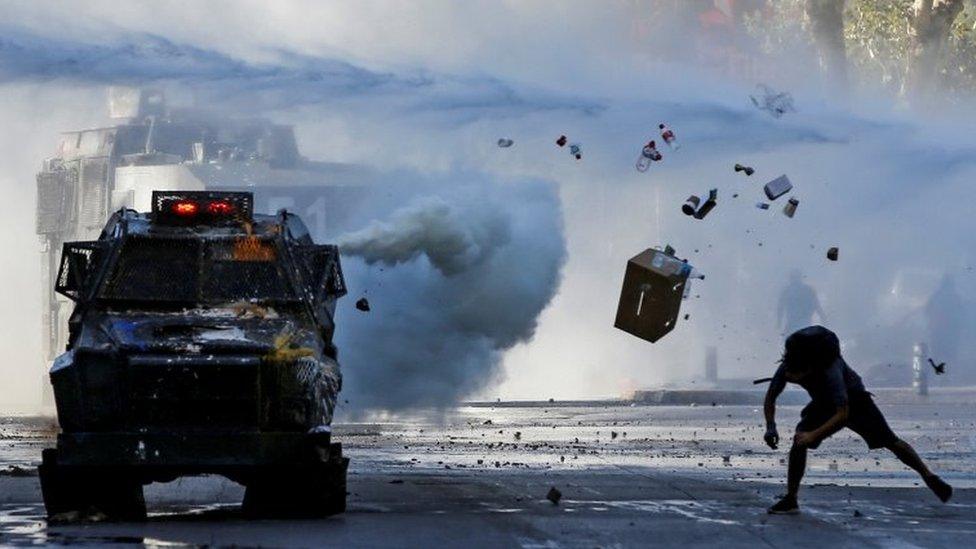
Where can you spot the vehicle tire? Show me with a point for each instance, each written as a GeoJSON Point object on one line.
{"type": "Point", "coordinates": [303, 491]}
{"type": "Point", "coordinates": [79, 493]}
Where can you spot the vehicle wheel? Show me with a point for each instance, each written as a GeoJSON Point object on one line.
{"type": "Point", "coordinates": [303, 491]}
{"type": "Point", "coordinates": [79, 493]}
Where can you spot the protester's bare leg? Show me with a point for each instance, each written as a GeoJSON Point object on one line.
{"type": "Point", "coordinates": [795, 470]}
{"type": "Point", "coordinates": [909, 457]}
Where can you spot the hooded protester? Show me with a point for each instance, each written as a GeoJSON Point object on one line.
{"type": "Point", "coordinates": [838, 399]}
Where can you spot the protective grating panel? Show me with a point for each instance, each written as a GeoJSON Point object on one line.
{"type": "Point", "coordinates": [93, 198]}
{"type": "Point", "coordinates": [151, 269]}
{"type": "Point", "coordinates": [167, 392]}
{"type": "Point", "coordinates": [321, 268]}
{"type": "Point", "coordinates": [79, 262]}
{"type": "Point", "coordinates": [52, 200]}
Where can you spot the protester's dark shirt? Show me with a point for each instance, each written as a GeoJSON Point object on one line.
{"type": "Point", "coordinates": [830, 386]}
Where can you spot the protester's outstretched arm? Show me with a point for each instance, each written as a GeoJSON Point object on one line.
{"type": "Point", "coordinates": [776, 387]}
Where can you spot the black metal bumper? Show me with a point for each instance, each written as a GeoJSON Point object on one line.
{"type": "Point", "coordinates": [189, 453]}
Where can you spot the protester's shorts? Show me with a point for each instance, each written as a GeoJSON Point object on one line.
{"type": "Point", "coordinates": [863, 417]}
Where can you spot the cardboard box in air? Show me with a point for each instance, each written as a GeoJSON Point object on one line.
{"type": "Point", "coordinates": [650, 300]}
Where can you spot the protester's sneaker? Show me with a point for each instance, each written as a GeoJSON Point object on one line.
{"type": "Point", "coordinates": [785, 506]}
{"type": "Point", "coordinates": [942, 490]}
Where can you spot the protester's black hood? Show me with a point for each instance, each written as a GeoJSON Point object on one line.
{"type": "Point", "coordinates": [814, 345]}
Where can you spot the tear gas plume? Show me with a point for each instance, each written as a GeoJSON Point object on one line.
{"type": "Point", "coordinates": [452, 241]}
{"type": "Point", "coordinates": [474, 268]}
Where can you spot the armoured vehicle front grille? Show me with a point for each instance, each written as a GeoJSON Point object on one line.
{"type": "Point", "coordinates": [205, 391]}
{"type": "Point", "coordinates": [53, 200]}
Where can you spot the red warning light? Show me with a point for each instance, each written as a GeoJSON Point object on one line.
{"type": "Point", "coordinates": [220, 207]}
{"type": "Point", "coordinates": [185, 208]}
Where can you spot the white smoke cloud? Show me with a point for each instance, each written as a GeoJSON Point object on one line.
{"type": "Point", "coordinates": [452, 241]}
{"type": "Point", "coordinates": [473, 269]}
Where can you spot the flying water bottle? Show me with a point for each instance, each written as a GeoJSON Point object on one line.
{"type": "Point", "coordinates": [644, 160]}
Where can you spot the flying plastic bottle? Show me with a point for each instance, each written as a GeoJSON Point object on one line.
{"type": "Point", "coordinates": [668, 136]}
{"type": "Point", "coordinates": [648, 154]}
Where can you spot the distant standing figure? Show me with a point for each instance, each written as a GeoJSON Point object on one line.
{"type": "Point", "coordinates": [838, 399]}
{"type": "Point", "coordinates": [798, 303]}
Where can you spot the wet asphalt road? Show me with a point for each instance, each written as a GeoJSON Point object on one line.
{"type": "Point", "coordinates": [630, 476]}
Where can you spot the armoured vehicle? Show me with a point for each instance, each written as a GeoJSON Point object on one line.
{"type": "Point", "coordinates": [149, 146]}
{"type": "Point", "coordinates": [200, 343]}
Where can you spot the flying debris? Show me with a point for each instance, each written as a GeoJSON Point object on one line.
{"type": "Point", "coordinates": [648, 154]}
{"type": "Point", "coordinates": [747, 169]}
{"type": "Point", "coordinates": [775, 103]}
{"type": "Point", "coordinates": [363, 305]}
{"type": "Point", "coordinates": [505, 143]}
{"type": "Point", "coordinates": [708, 205]}
{"type": "Point", "coordinates": [939, 368]}
{"type": "Point", "coordinates": [789, 210]}
{"type": "Point", "coordinates": [691, 205]}
{"type": "Point", "coordinates": [576, 150]}
{"type": "Point", "coordinates": [650, 301]}
{"type": "Point", "coordinates": [833, 253]}
{"type": "Point", "coordinates": [561, 141]}
{"type": "Point", "coordinates": [668, 136]}
{"type": "Point", "coordinates": [778, 187]}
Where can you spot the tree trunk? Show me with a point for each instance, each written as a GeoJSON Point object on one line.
{"type": "Point", "coordinates": [931, 21]}
{"type": "Point", "coordinates": [827, 24]}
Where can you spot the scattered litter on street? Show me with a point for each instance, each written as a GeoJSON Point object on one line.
{"type": "Point", "coordinates": [762, 205]}
{"type": "Point", "coordinates": [778, 187]}
{"type": "Point", "coordinates": [18, 471]}
{"type": "Point", "coordinates": [505, 143]}
{"type": "Point", "coordinates": [554, 495]}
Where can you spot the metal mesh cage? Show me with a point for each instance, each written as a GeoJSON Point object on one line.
{"type": "Point", "coordinates": [155, 269]}
{"type": "Point", "coordinates": [191, 271]}
{"type": "Point", "coordinates": [321, 269]}
{"type": "Point", "coordinates": [79, 263]}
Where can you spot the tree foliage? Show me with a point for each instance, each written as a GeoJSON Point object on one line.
{"type": "Point", "coordinates": [878, 42]}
